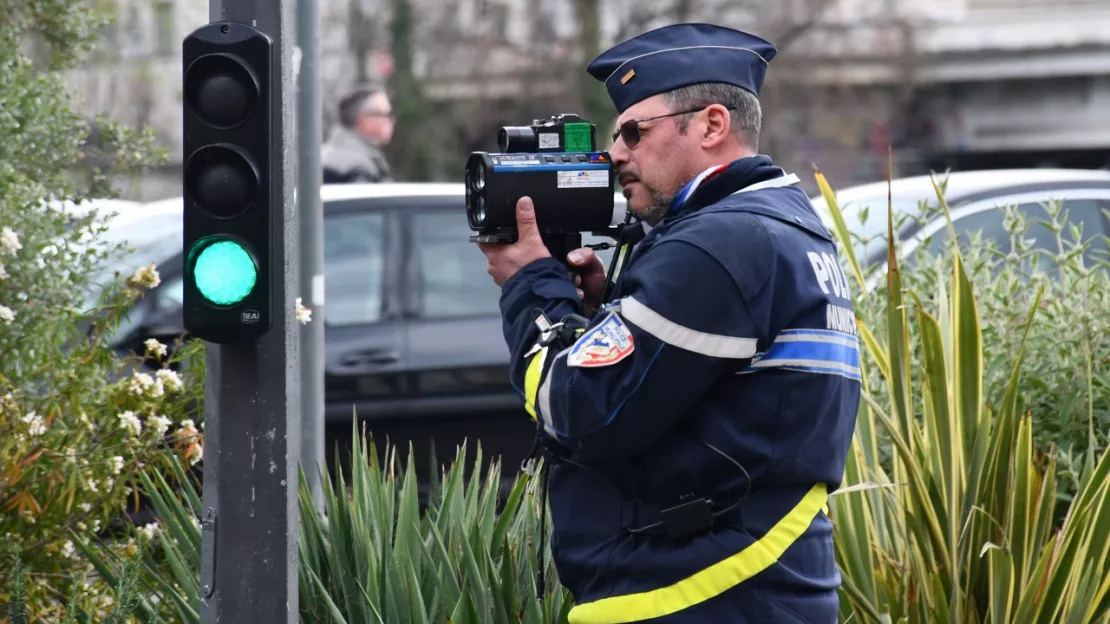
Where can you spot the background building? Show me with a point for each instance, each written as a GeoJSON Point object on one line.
{"type": "Point", "coordinates": [948, 83]}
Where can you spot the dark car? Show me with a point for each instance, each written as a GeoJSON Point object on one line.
{"type": "Point", "coordinates": [414, 343]}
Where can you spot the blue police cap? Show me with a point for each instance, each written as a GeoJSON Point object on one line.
{"type": "Point", "coordinates": [680, 55]}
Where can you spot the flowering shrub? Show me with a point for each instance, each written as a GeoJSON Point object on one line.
{"type": "Point", "coordinates": [73, 442]}
{"type": "Point", "coordinates": [78, 421]}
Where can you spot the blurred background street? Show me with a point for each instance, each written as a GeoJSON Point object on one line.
{"type": "Point", "coordinates": [961, 84]}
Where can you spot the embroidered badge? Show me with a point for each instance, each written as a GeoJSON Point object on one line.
{"type": "Point", "coordinates": [604, 345]}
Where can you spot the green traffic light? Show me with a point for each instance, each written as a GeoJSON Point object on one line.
{"type": "Point", "coordinates": [225, 273]}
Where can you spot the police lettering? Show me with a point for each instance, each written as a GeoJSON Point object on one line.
{"type": "Point", "coordinates": [833, 282]}
{"type": "Point", "coordinates": [841, 319]}
{"type": "Point", "coordinates": [829, 274]}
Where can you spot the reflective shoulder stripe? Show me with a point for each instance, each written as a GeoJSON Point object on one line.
{"type": "Point", "coordinates": [814, 351]}
{"type": "Point", "coordinates": [712, 581]}
{"type": "Point", "coordinates": [543, 399]}
{"type": "Point", "coordinates": [622, 251]}
{"type": "Point", "coordinates": [674, 334]}
{"type": "Point", "coordinates": [532, 381]}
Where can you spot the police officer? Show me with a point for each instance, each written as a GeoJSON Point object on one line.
{"type": "Point", "coordinates": [701, 419]}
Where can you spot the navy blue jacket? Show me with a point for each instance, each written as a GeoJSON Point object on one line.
{"type": "Point", "coordinates": [725, 368]}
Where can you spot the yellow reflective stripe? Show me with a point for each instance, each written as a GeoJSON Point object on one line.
{"type": "Point", "coordinates": [532, 381]}
{"type": "Point", "coordinates": [712, 581]}
{"type": "Point", "coordinates": [621, 251]}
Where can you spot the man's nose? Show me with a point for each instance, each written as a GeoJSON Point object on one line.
{"type": "Point", "coordinates": [619, 153]}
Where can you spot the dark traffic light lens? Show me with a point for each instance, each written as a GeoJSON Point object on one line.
{"type": "Point", "coordinates": [221, 180]}
{"type": "Point", "coordinates": [221, 90]}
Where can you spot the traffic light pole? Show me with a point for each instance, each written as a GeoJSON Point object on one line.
{"type": "Point", "coordinates": [310, 213]}
{"type": "Point", "coordinates": [252, 404]}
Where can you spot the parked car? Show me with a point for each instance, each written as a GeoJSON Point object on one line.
{"type": "Point", "coordinates": [975, 199]}
{"type": "Point", "coordinates": [413, 333]}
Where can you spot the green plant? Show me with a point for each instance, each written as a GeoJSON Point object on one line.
{"type": "Point", "coordinates": [1065, 383]}
{"type": "Point", "coordinates": [164, 578]}
{"type": "Point", "coordinates": [960, 529]}
{"type": "Point", "coordinates": [373, 555]}
{"type": "Point", "coordinates": [76, 426]}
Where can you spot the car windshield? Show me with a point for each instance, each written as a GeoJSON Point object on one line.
{"type": "Point", "coordinates": [148, 239]}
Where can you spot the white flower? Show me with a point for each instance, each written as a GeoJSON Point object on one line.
{"type": "Point", "coordinates": [9, 242]}
{"type": "Point", "coordinates": [93, 486]}
{"type": "Point", "coordinates": [148, 530]}
{"type": "Point", "coordinates": [37, 426]}
{"type": "Point", "coordinates": [304, 315]}
{"type": "Point", "coordinates": [68, 551]}
{"type": "Point", "coordinates": [159, 424]}
{"type": "Point", "coordinates": [6, 315]}
{"type": "Point", "coordinates": [3, 273]}
{"type": "Point", "coordinates": [142, 383]}
{"type": "Point", "coordinates": [116, 464]}
{"type": "Point", "coordinates": [169, 379]}
{"type": "Point", "coordinates": [155, 348]}
{"type": "Point", "coordinates": [130, 422]}
{"type": "Point", "coordinates": [146, 277]}
{"type": "Point", "coordinates": [85, 507]}
{"type": "Point", "coordinates": [188, 425]}
{"type": "Point", "coordinates": [197, 454]}
{"type": "Point", "coordinates": [50, 250]}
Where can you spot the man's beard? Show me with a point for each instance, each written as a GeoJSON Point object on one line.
{"type": "Point", "coordinates": [660, 205]}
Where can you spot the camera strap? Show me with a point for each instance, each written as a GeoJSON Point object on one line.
{"type": "Point", "coordinates": [629, 234]}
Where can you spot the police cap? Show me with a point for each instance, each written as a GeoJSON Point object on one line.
{"type": "Point", "coordinates": [679, 55]}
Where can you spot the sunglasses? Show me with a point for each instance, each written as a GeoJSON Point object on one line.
{"type": "Point", "coordinates": [630, 130]}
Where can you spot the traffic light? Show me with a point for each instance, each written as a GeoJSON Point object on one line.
{"type": "Point", "coordinates": [228, 124]}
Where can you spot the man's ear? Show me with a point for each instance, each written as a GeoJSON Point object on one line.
{"type": "Point", "coordinates": [718, 125]}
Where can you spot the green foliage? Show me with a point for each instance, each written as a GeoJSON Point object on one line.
{"type": "Point", "coordinates": [960, 527]}
{"type": "Point", "coordinates": [374, 555]}
{"type": "Point", "coordinates": [78, 423]}
{"type": "Point", "coordinates": [164, 579]}
{"type": "Point", "coordinates": [1066, 371]}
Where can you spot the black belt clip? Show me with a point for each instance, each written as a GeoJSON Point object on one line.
{"type": "Point", "coordinates": [688, 518]}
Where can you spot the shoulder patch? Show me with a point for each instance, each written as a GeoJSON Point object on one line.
{"type": "Point", "coordinates": [609, 342]}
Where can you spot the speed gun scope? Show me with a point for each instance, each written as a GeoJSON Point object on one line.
{"type": "Point", "coordinates": [554, 161]}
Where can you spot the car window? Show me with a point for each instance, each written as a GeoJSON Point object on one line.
{"type": "Point", "coordinates": [170, 295]}
{"type": "Point", "coordinates": [453, 278]}
{"type": "Point", "coordinates": [354, 260]}
{"type": "Point", "coordinates": [990, 222]}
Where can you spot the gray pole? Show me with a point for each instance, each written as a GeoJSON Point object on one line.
{"type": "Point", "coordinates": [311, 218]}
{"type": "Point", "coordinates": [252, 406]}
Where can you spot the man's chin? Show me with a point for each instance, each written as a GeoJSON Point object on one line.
{"type": "Point", "coordinates": [635, 199]}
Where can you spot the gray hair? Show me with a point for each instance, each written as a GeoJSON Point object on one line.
{"type": "Point", "coordinates": [354, 103]}
{"type": "Point", "coordinates": [746, 115]}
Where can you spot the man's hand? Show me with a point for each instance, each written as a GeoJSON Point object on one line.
{"type": "Point", "coordinates": [589, 277]}
{"type": "Point", "coordinates": [503, 261]}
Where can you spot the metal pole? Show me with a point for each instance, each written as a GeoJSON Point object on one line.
{"type": "Point", "coordinates": [310, 213]}
{"type": "Point", "coordinates": [249, 560]}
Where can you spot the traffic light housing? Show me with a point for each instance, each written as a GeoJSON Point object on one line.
{"type": "Point", "coordinates": [228, 82]}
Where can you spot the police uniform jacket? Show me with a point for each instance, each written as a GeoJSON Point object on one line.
{"type": "Point", "coordinates": [723, 375]}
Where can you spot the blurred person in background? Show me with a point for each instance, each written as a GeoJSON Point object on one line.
{"type": "Point", "coordinates": [353, 150]}
{"type": "Point", "coordinates": [695, 424]}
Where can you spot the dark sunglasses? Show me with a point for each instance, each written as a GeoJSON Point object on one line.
{"type": "Point", "coordinates": [630, 130]}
